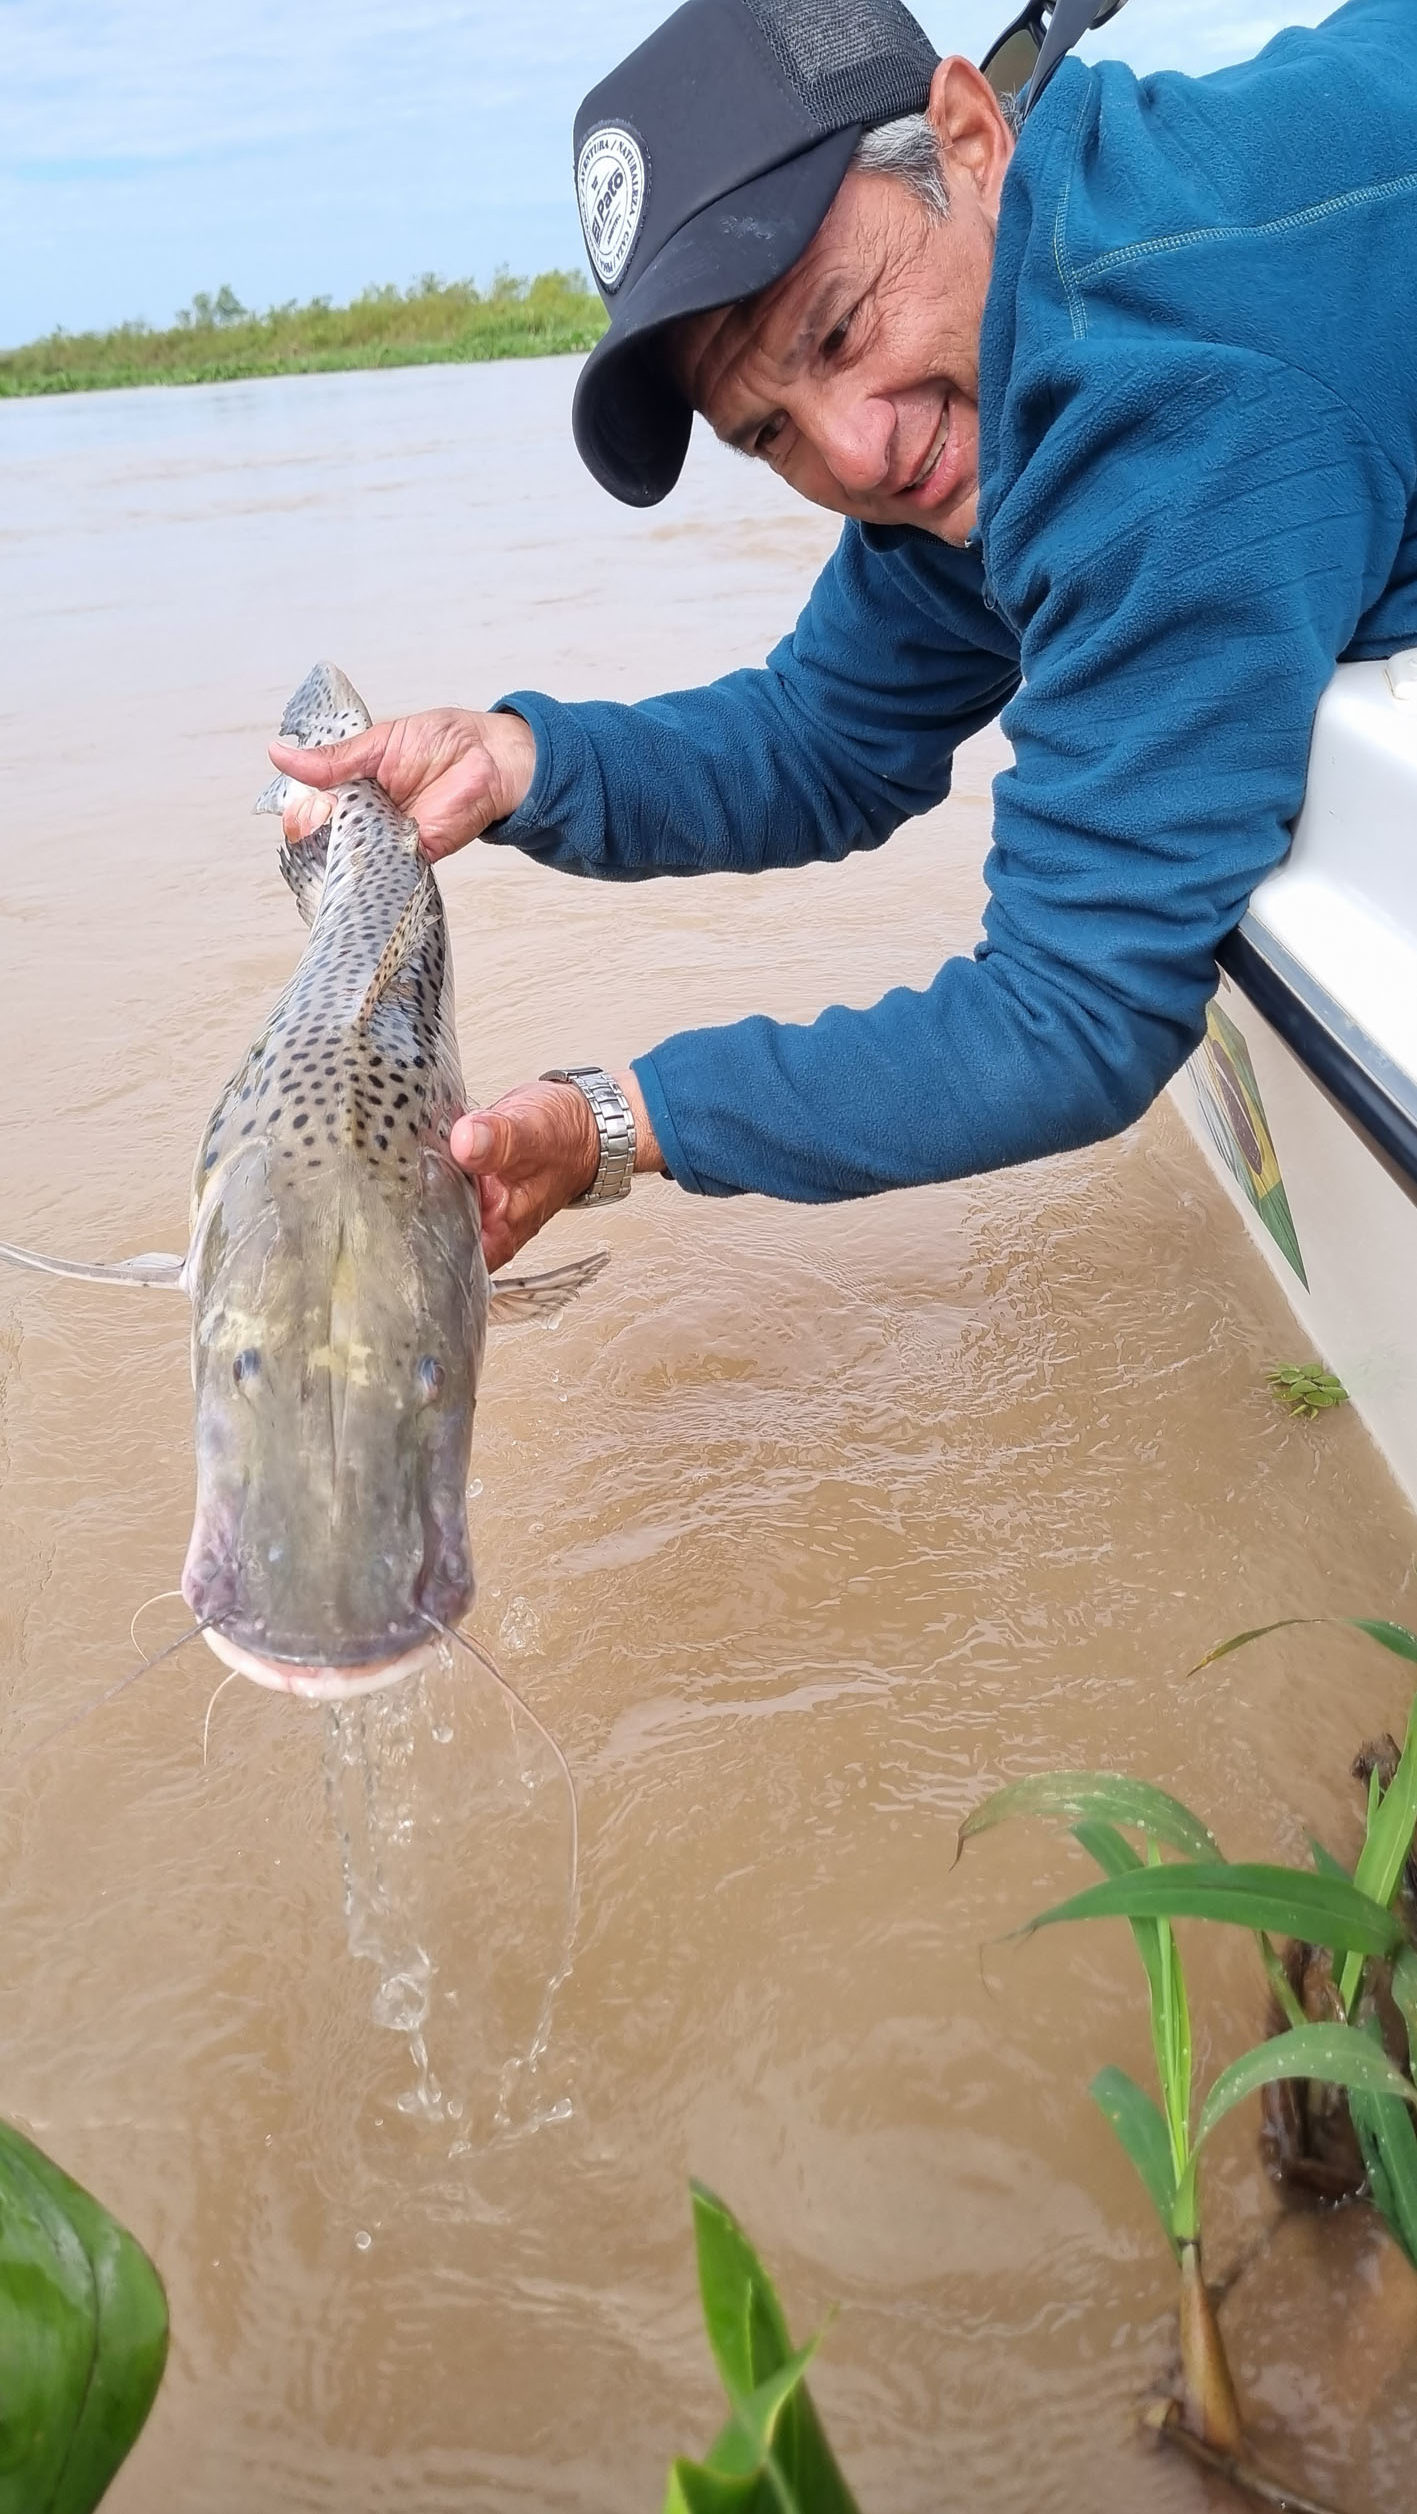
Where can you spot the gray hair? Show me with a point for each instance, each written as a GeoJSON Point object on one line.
{"type": "Point", "coordinates": [909, 149]}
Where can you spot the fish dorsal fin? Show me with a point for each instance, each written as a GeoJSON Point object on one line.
{"type": "Point", "coordinates": [517, 1296]}
{"type": "Point", "coordinates": [159, 1272]}
{"type": "Point", "coordinates": [326, 708]}
{"type": "Point", "coordinates": [400, 947]}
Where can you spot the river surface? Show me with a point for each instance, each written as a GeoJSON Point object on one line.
{"type": "Point", "coordinates": [804, 1530]}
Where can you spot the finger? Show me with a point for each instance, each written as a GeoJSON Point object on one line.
{"type": "Point", "coordinates": [304, 814]}
{"type": "Point", "coordinates": [332, 763]}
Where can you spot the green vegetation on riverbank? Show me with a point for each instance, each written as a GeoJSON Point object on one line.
{"type": "Point", "coordinates": [218, 340]}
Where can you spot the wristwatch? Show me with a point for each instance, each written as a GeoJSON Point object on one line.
{"type": "Point", "coordinates": [614, 1124]}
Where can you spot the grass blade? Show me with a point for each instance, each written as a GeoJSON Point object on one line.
{"type": "Point", "coordinates": [1395, 1637]}
{"type": "Point", "coordinates": [1103, 1797]}
{"type": "Point", "coordinates": [1288, 1901]}
{"type": "Point", "coordinates": [1143, 2133]}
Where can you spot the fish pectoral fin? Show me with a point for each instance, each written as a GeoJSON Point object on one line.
{"type": "Point", "coordinates": [516, 1296]}
{"type": "Point", "coordinates": [157, 1270]}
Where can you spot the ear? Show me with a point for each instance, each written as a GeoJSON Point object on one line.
{"type": "Point", "coordinates": [975, 140]}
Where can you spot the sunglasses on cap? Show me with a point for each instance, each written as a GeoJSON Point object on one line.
{"type": "Point", "coordinates": [1012, 58]}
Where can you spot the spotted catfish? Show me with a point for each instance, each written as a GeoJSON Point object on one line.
{"type": "Point", "coordinates": [335, 1271]}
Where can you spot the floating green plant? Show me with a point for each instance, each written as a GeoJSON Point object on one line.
{"type": "Point", "coordinates": [83, 2338]}
{"type": "Point", "coordinates": [772, 2456]}
{"type": "Point", "coordinates": [1306, 1388]}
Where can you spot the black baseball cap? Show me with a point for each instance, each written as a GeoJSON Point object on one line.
{"type": "Point", "coordinates": [704, 166]}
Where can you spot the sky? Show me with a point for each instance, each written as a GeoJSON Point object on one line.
{"type": "Point", "coordinates": [294, 148]}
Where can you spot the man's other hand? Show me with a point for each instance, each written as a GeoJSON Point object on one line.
{"type": "Point", "coordinates": [452, 771]}
{"type": "Point", "coordinates": [533, 1152]}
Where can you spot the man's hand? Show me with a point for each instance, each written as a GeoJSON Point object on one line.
{"type": "Point", "coordinates": [535, 1151]}
{"type": "Point", "coordinates": [454, 773]}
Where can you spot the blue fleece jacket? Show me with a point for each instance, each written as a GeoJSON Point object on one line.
{"type": "Point", "coordinates": [1198, 491]}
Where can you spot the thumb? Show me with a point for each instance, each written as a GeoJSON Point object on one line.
{"type": "Point", "coordinates": [481, 1141]}
{"type": "Point", "coordinates": [333, 763]}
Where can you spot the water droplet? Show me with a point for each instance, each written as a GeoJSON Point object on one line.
{"type": "Point", "coordinates": [520, 1628]}
{"type": "Point", "coordinates": [362, 2241]}
{"type": "Point", "coordinates": [474, 1488]}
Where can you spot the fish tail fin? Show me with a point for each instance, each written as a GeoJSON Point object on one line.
{"type": "Point", "coordinates": [326, 708]}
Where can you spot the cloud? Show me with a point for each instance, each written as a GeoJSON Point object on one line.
{"type": "Point", "coordinates": [149, 148]}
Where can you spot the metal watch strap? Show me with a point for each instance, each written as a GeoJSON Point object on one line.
{"type": "Point", "coordinates": [615, 1126]}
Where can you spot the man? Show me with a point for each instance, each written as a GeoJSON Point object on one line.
{"type": "Point", "coordinates": [1119, 396]}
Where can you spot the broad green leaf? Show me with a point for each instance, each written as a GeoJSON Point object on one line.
{"type": "Point", "coordinates": [1325, 1862]}
{"type": "Point", "coordinates": [1103, 1797]}
{"type": "Point", "coordinates": [774, 2434]}
{"type": "Point", "coordinates": [1143, 2134]}
{"type": "Point", "coordinates": [48, 2335]}
{"type": "Point", "coordinates": [130, 2347]}
{"type": "Point", "coordinates": [747, 2332]}
{"type": "Point", "coordinates": [1288, 1901]}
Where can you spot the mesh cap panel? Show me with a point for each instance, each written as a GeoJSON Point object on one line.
{"type": "Point", "coordinates": [849, 60]}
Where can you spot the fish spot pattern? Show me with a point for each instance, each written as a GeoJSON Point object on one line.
{"type": "Point", "coordinates": [359, 1056]}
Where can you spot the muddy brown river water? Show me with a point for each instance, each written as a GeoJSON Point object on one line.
{"type": "Point", "coordinates": [805, 1529]}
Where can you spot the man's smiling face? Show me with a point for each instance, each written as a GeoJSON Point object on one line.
{"type": "Point", "coordinates": [857, 374]}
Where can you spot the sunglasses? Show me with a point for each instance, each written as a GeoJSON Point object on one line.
{"type": "Point", "coordinates": [1011, 59]}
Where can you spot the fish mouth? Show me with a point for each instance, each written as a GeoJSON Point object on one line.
{"type": "Point", "coordinates": [322, 1684]}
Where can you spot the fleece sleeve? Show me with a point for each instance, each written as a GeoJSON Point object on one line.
{"type": "Point", "coordinates": [848, 730]}
{"type": "Point", "coordinates": [1184, 554]}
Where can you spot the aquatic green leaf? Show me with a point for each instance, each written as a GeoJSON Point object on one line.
{"type": "Point", "coordinates": [1143, 2133]}
{"type": "Point", "coordinates": [1393, 1637]}
{"type": "Point", "coordinates": [131, 2342]}
{"type": "Point", "coordinates": [1392, 1817]}
{"type": "Point", "coordinates": [1338, 2055]}
{"type": "Point", "coordinates": [1166, 1988]}
{"type": "Point", "coordinates": [1288, 1901]}
{"type": "Point", "coordinates": [48, 2334]}
{"type": "Point", "coordinates": [1325, 1862]}
{"type": "Point", "coordinates": [101, 2308]}
{"type": "Point", "coordinates": [1404, 1991]}
{"type": "Point", "coordinates": [773, 2440]}
{"type": "Point", "coordinates": [1388, 2143]}
{"type": "Point", "coordinates": [1104, 1797]}
{"type": "Point", "coordinates": [1306, 1388]}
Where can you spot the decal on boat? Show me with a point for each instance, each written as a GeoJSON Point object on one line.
{"type": "Point", "coordinates": [1233, 1111]}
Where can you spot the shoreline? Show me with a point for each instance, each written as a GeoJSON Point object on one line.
{"type": "Point", "coordinates": [433, 324]}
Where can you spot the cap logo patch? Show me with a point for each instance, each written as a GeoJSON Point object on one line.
{"type": "Point", "coordinates": [611, 185]}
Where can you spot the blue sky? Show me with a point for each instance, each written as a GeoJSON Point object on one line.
{"type": "Point", "coordinates": [149, 148]}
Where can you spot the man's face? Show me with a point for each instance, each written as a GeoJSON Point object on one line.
{"type": "Point", "coordinates": [857, 375]}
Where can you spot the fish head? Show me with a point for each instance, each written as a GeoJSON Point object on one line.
{"type": "Point", "coordinates": [337, 1344]}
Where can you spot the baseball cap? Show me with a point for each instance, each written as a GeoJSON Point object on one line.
{"type": "Point", "coordinates": [704, 166]}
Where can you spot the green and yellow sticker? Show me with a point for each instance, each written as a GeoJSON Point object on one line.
{"type": "Point", "coordinates": [1234, 1114]}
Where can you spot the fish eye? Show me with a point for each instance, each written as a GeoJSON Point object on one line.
{"type": "Point", "coordinates": [429, 1375]}
{"type": "Point", "coordinates": [246, 1365]}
